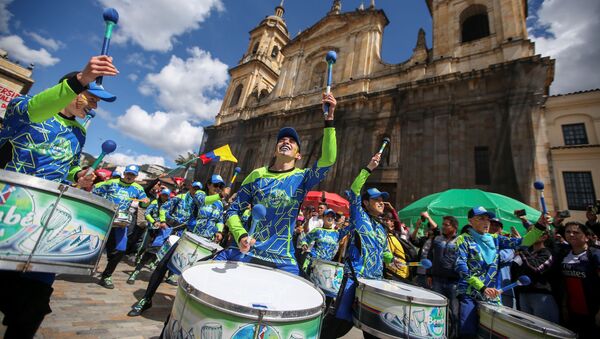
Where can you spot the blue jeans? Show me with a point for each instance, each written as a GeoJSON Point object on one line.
{"type": "Point", "coordinates": [234, 254]}
{"type": "Point", "coordinates": [469, 319]}
{"type": "Point", "coordinates": [447, 288]}
{"type": "Point", "coordinates": [539, 304]}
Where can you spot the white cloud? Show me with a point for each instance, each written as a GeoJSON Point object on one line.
{"type": "Point", "coordinates": [169, 132]}
{"type": "Point", "coordinates": [575, 25]}
{"type": "Point", "coordinates": [140, 60]}
{"type": "Point", "coordinates": [15, 46]}
{"type": "Point", "coordinates": [156, 24]}
{"type": "Point", "coordinates": [104, 114]}
{"type": "Point", "coordinates": [122, 159]}
{"type": "Point", "coordinates": [5, 15]}
{"type": "Point", "coordinates": [133, 77]}
{"type": "Point", "coordinates": [46, 42]}
{"type": "Point", "coordinates": [189, 86]}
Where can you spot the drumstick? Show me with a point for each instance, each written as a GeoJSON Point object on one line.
{"type": "Point", "coordinates": [258, 213]}
{"type": "Point", "coordinates": [108, 147]}
{"type": "Point", "coordinates": [425, 263]}
{"type": "Point", "coordinates": [236, 171]}
{"type": "Point", "coordinates": [539, 185]}
{"type": "Point", "coordinates": [88, 117]}
{"type": "Point", "coordinates": [385, 142]}
{"type": "Point", "coordinates": [522, 281]}
{"type": "Point", "coordinates": [111, 17]}
{"type": "Point", "coordinates": [330, 58]}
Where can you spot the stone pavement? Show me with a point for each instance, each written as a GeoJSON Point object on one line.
{"type": "Point", "coordinates": [83, 309]}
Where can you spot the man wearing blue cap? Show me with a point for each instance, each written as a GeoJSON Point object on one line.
{"type": "Point", "coordinates": [42, 138]}
{"type": "Point", "coordinates": [209, 221]}
{"type": "Point", "coordinates": [477, 265]}
{"type": "Point", "coordinates": [280, 187]}
{"type": "Point", "coordinates": [325, 238]}
{"type": "Point", "coordinates": [122, 192]}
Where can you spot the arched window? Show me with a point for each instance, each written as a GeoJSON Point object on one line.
{"type": "Point", "coordinates": [319, 75]}
{"type": "Point", "coordinates": [474, 23]}
{"type": "Point", "coordinates": [275, 52]}
{"type": "Point", "coordinates": [263, 93]}
{"type": "Point", "coordinates": [235, 99]}
{"type": "Point", "coordinates": [255, 49]}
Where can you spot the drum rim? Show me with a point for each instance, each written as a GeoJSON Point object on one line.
{"type": "Point", "coordinates": [250, 312]}
{"type": "Point", "coordinates": [496, 310]}
{"type": "Point", "coordinates": [421, 301]}
{"type": "Point", "coordinates": [53, 187]}
{"type": "Point", "coordinates": [186, 234]}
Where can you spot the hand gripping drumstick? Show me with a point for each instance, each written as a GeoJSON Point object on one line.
{"type": "Point", "coordinates": [385, 142]}
{"type": "Point", "coordinates": [236, 171]}
{"type": "Point", "coordinates": [539, 185]}
{"type": "Point", "coordinates": [425, 263]}
{"type": "Point", "coordinates": [108, 146]}
{"type": "Point", "coordinates": [330, 58]}
{"type": "Point", "coordinates": [111, 17]}
{"type": "Point", "coordinates": [89, 115]}
{"type": "Point", "coordinates": [522, 281]}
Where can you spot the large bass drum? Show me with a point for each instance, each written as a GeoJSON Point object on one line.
{"type": "Point", "coordinates": [49, 227]}
{"type": "Point", "coordinates": [221, 299]}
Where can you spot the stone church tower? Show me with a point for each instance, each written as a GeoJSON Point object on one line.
{"type": "Point", "coordinates": [465, 113]}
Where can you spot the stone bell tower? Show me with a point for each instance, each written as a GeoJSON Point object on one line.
{"type": "Point", "coordinates": [255, 76]}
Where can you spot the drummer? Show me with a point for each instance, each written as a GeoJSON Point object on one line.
{"type": "Point", "coordinates": [182, 211]}
{"type": "Point", "coordinates": [477, 265]}
{"type": "Point", "coordinates": [368, 250]}
{"type": "Point", "coordinates": [325, 238]}
{"type": "Point", "coordinates": [209, 220]}
{"type": "Point", "coordinates": [158, 230]}
{"type": "Point", "coordinates": [122, 192]}
{"type": "Point", "coordinates": [280, 187]}
{"type": "Point", "coordinates": [48, 118]}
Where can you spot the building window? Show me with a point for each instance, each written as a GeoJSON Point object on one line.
{"type": "Point", "coordinates": [575, 134]}
{"type": "Point", "coordinates": [474, 23]}
{"type": "Point", "coordinates": [255, 49]}
{"type": "Point", "coordinates": [319, 75]}
{"type": "Point", "coordinates": [275, 52]}
{"type": "Point", "coordinates": [579, 188]}
{"type": "Point", "coordinates": [482, 166]}
{"type": "Point", "coordinates": [235, 99]}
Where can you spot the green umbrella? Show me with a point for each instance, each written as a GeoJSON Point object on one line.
{"type": "Point", "coordinates": [458, 202]}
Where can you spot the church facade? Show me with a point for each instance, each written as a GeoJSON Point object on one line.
{"type": "Point", "coordinates": [463, 113]}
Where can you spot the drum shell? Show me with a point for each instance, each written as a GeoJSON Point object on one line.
{"type": "Point", "coordinates": [77, 223]}
{"type": "Point", "coordinates": [193, 310]}
{"type": "Point", "coordinates": [375, 310]}
{"type": "Point", "coordinates": [327, 275]}
{"type": "Point", "coordinates": [190, 249]}
{"type": "Point", "coordinates": [171, 240]}
{"type": "Point", "coordinates": [500, 321]}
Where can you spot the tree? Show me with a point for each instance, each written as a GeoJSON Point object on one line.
{"type": "Point", "coordinates": [186, 161]}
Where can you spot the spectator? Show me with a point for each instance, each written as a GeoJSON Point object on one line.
{"type": "Point", "coordinates": [592, 219]}
{"type": "Point", "coordinates": [580, 270]}
{"type": "Point", "coordinates": [394, 272]}
{"type": "Point", "coordinates": [424, 243]}
{"type": "Point", "coordinates": [316, 218]}
{"type": "Point", "coordinates": [442, 277]}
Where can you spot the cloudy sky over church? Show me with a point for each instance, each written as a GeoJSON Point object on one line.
{"type": "Point", "coordinates": [173, 55]}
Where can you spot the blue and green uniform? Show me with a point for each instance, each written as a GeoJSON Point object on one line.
{"type": "Point", "coordinates": [38, 140]}
{"type": "Point", "coordinates": [183, 208]}
{"type": "Point", "coordinates": [367, 249]}
{"type": "Point", "coordinates": [157, 211]}
{"type": "Point", "coordinates": [281, 193]}
{"type": "Point", "coordinates": [209, 220]}
{"type": "Point", "coordinates": [325, 242]}
{"type": "Point", "coordinates": [121, 194]}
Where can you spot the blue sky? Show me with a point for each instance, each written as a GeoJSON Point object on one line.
{"type": "Point", "coordinates": [173, 55]}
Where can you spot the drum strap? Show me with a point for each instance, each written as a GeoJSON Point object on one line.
{"type": "Point", "coordinates": [340, 294]}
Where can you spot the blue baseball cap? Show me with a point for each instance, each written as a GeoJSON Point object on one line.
{"type": "Point", "coordinates": [115, 174]}
{"type": "Point", "coordinates": [329, 211]}
{"type": "Point", "coordinates": [480, 210]}
{"type": "Point", "coordinates": [197, 184]}
{"type": "Point", "coordinates": [288, 132]}
{"type": "Point", "coordinates": [133, 169]}
{"type": "Point", "coordinates": [100, 92]}
{"type": "Point", "coordinates": [216, 179]}
{"type": "Point", "coordinates": [374, 193]}
{"type": "Point", "coordinates": [165, 191]}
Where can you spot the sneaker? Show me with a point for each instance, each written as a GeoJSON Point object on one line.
{"type": "Point", "coordinates": [106, 283]}
{"type": "Point", "coordinates": [152, 266]}
{"type": "Point", "coordinates": [172, 280]}
{"type": "Point", "coordinates": [131, 279]}
{"type": "Point", "coordinates": [140, 307]}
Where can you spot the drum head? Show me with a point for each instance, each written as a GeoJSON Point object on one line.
{"type": "Point", "coordinates": [202, 241]}
{"type": "Point", "coordinates": [526, 320]}
{"type": "Point", "coordinates": [316, 261]}
{"type": "Point", "coordinates": [248, 289]}
{"type": "Point", "coordinates": [404, 292]}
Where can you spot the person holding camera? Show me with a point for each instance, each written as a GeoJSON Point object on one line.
{"type": "Point", "coordinates": [592, 219]}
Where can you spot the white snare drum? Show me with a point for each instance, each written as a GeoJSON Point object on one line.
{"type": "Point", "coordinates": [171, 240]}
{"type": "Point", "coordinates": [122, 219]}
{"type": "Point", "coordinates": [190, 249]}
{"type": "Point", "coordinates": [220, 299]}
{"type": "Point", "coordinates": [49, 227]}
{"type": "Point", "coordinates": [391, 309]}
{"type": "Point", "coordinates": [497, 321]}
{"type": "Point", "coordinates": [327, 275]}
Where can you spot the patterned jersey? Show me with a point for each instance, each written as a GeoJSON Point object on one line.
{"type": "Point", "coordinates": [474, 273]}
{"type": "Point", "coordinates": [183, 208]}
{"type": "Point", "coordinates": [39, 141]}
{"type": "Point", "coordinates": [157, 211]}
{"type": "Point", "coordinates": [209, 220]}
{"type": "Point", "coordinates": [281, 193]}
{"type": "Point", "coordinates": [325, 242]}
{"type": "Point", "coordinates": [122, 194]}
{"type": "Point", "coordinates": [368, 256]}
